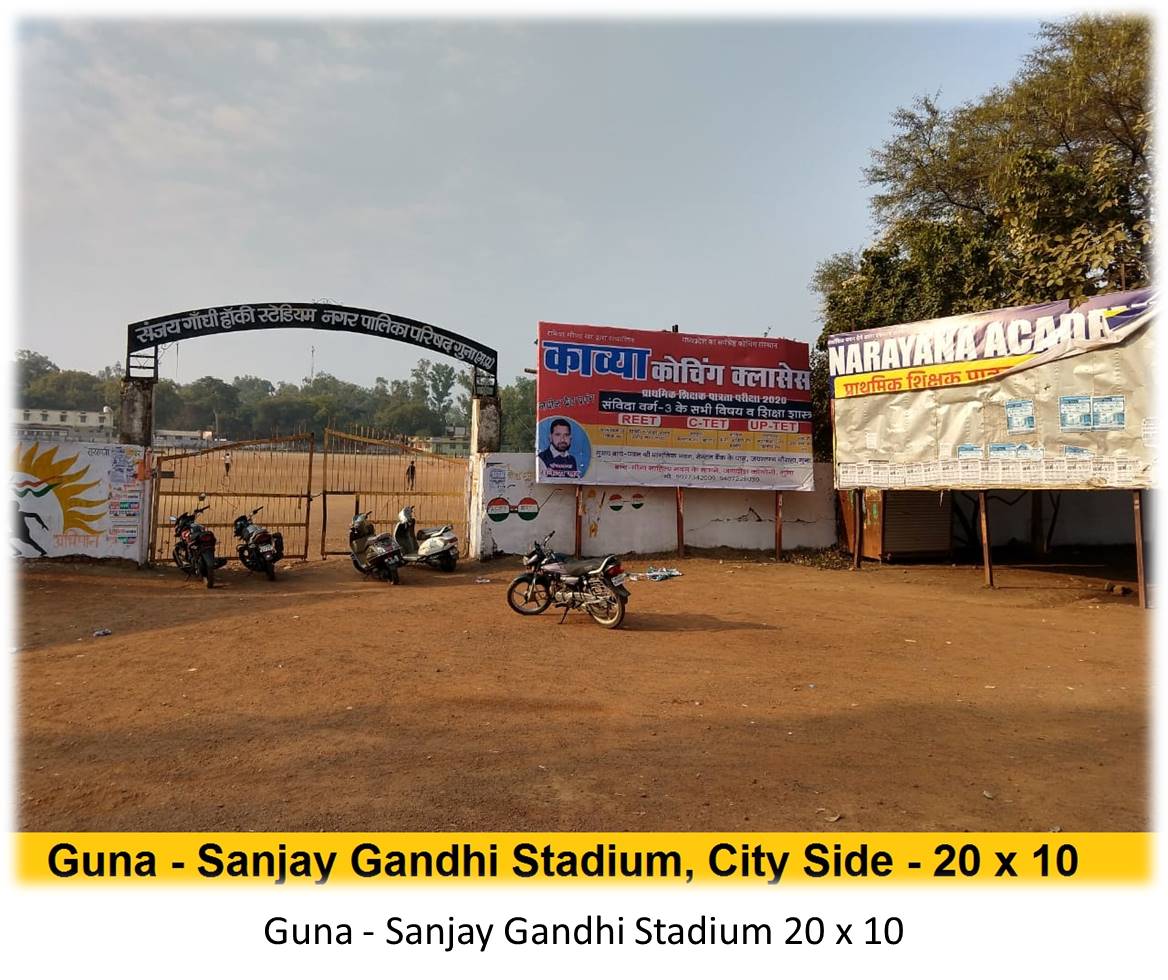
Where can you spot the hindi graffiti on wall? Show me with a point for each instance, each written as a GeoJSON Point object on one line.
{"type": "Point", "coordinates": [640, 408]}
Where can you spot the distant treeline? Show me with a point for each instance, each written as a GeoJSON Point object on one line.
{"type": "Point", "coordinates": [434, 397]}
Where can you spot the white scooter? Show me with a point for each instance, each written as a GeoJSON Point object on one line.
{"type": "Point", "coordinates": [425, 546]}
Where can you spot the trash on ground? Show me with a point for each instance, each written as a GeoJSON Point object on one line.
{"type": "Point", "coordinates": [657, 574]}
{"type": "Point", "coordinates": [102, 632]}
{"type": "Point", "coordinates": [482, 581]}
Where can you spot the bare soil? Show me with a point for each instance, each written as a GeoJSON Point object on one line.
{"type": "Point", "coordinates": [741, 696]}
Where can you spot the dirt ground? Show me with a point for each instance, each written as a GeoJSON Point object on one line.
{"type": "Point", "coordinates": [743, 695]}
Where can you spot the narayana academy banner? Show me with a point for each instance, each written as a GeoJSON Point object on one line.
{"type": "Point", "coordinates": [655, 408]}
{"type": "Point", "coordinates": [1032, 397]}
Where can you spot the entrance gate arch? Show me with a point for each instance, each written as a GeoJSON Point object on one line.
{"type": "Point", "coordinates": [144, 337]}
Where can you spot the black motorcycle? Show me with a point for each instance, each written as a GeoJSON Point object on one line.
{"type": "Point", "coordinates": [259, 549]}
{"type": "Point", "coordinates": [595, 585]}
{"type": "Point", "coordinates": [194, 546]}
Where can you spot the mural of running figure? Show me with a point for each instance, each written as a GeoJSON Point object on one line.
{"type": "Point", "coordinates": [21, 532]}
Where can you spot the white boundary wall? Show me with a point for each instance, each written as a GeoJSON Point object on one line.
{"type": "Point", "coordinates": [741, 519]}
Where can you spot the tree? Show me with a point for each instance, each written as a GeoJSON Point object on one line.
{"type": "Point", "coordinates": [441, 382]}
{"type": "Point", "coordinates": [66, 390]}
{"type": "Point", "coordinates": [1051, 172]}
{"type": "Point", "coordinates": [1040, 190]}
{"type": "Point", "coordinates": [517, 406]}
{"type": "Point", "coordinates": [30, 367]}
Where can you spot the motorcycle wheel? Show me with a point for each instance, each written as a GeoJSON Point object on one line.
{"type": "Point", "coordinates": [391, 576]}
{"type": "Point", "coordinates": [178, 553]}
{"type": "Point", "coordinates": [612, 613]}
{"type": "Point", "coordinates": [357, 565]}
{"type": "Point", "coordinates": [208, 564]}
{"type": "Point", "coordinates": [517, 596]}
{"type": "Point", "coordinates": [447, 562]}
{"type": "Point", "coordinates": [270, 570]}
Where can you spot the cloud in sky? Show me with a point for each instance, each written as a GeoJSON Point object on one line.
{"type": "Point", "coordinates": [478, 175]}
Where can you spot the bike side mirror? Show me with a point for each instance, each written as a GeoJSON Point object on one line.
{"type": "Point", "coordinates": [202, 497]}
{"type": "Point", "coordinates": [172, 519]}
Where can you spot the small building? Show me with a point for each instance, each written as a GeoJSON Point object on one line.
{"type": "Point", "coordinates": [456, 442]}
{"type": "Point", "coordinates": [65, 424]}
{"type": "Point", "coordinates": [183, 439]}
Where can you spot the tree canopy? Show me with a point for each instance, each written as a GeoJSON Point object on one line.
{"type": "Point", "coordinates": [434, 397]}
{"type": "Point", "coordinates": [1039, 190]}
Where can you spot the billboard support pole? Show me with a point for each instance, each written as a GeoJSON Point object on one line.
{"type": "Point", "coordinates": [857, 527]}
{"type": "Point", "coordinates": [680, 522]}
{"type": "Point", "coordinates": [1137, 500]}
{"type": "Point", "coordinates": [987, 560]}
{"type": "Point", "coordinates": [778, 525]}
{"type": "Point", "coordinates": [579, 516]}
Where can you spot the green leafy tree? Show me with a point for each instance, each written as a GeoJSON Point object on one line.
{"type": "Point", "coordinates": [517, 406]}
{"type": "Point", "coordinates": [30, 367]}
{"type": "Point", "coordinates": [1040, 190]}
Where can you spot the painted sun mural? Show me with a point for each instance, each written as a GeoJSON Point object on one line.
{"type": "Point", "coordinates": [37, 473]}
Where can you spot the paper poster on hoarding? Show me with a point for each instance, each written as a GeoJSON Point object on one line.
{"type": "Point", "coordinates": [655, 408]}
{"type": "Point", "coordinates": [1107, 412]}
{"type": "Point", "coordinates": [1075, 413]}
{"type": "Point", "coordinates": [1020, 415]}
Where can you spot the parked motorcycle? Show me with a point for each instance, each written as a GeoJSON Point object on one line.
{"type": "Point", "coordinates": [373, 554]}
{"type": "Point", "coordinates": [425, 546]}
{"type": "Point", "coordinates": [259, 549]}
{"type": "Point", "coordinates": [595, 585]}
{"type": "Point", "coordinates": [194, 546]}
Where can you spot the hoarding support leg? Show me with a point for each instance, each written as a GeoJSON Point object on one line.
{"type": "Point", "coordinates": [1137, 501]}
{"type": "Point", "coordinates": [778, 525]}
{"type": "Point", "coordinates": [987, 559]}
{"type": "Point", "coordinates": [857, 527]}
{"type": "Point", "coordinates": [579, 517]}
{"type": "Point", "coordinates": [680, 522]}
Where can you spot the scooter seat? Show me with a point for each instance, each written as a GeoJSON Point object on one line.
{"type": "Point", "coordinates": [429, 532]}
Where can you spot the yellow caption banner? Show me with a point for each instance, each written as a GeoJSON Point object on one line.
{"type": "Point", "coordinates": [656, 859]}
{"type": "Point", "coordinates": [920, 378]}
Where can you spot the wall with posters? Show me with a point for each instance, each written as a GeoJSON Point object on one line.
{"type": "Point", "coordinates": [78, 498]}
{"type": "Point", "coordinates": [510, 509]}
{"type": "Point", "coordinates": [1041, 396]}
{"type": "Point", "coordinates": [617, 407]}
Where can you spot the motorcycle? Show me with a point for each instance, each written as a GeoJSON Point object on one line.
{"type": "Point", "coordinates": [373, 554]}
{"type": "Point", "coordinates": [595, 585]}
{"type": "Point", "coordinates": [194, 546]}
{"type": "Point", "coordinates": [259, 549]}
{"type": "Point", "coordinates": [425, 546]}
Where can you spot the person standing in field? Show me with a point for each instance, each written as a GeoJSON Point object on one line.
{"type": "Point", "coordinates": [411, 473]}
{"type": "Point", "coordinates": [227, 464]}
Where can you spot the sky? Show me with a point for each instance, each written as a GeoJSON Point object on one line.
{"type": "Point", "coordinates": [477, 175]}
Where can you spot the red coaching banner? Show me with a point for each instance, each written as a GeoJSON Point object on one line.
{"type": "Point", "coordinates": [654, 408]}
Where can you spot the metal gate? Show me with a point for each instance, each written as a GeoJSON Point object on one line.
{"type": "Point", "coordinates": [366, 471]}
{"type": "Point", "coordinates": [275, 473]}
